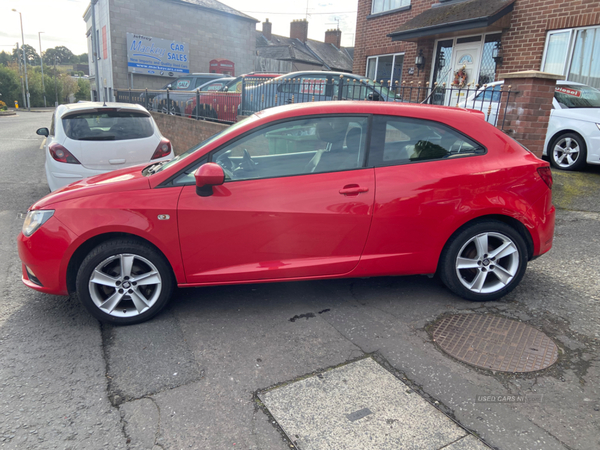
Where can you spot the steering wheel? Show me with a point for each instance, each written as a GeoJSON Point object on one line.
{"type": "Point", "coordinates": [247, 162]}
{"type": "Point", "coordinates": [226, 164]}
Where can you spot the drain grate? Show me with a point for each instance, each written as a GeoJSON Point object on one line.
{"type": "Point", "coordinates": [495, 343]}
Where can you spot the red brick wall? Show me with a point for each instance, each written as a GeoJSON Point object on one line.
{"type": "Point", "coordinates": [523, 43]}
{"type": "Point", "coordinates": [185, 133]}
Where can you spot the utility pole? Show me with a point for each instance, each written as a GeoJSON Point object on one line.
{"type": "Point", "coordinates": [24, 60]}
{"type": "Point", "coordinates": [42, 64]}
{"type": "Point", "coordinates": [21, 77]}
{"type": "Point", "coordinates": [55, 88]}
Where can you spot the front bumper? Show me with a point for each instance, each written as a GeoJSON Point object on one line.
{"type": "Point", "coordinates": [46, 254]}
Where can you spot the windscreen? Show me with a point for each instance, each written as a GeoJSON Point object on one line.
{"type": "Point", "coordinates": [107, 126]}
{"type": "Point", "coordinates": [577, 96]}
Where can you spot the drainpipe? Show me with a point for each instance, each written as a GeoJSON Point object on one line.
{"type": "Point", "coordinates": [95, 47]}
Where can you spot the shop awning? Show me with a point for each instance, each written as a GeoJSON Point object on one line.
{"type": "Point", "coordinates": [453, 17]}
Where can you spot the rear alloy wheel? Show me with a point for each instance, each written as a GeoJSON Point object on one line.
{"type": "Point", "coordinates": [568, 152]}
{"type": "Point", "coordinates": [484, 262]}
{"type": "Point", "coordinates": [124, 282]}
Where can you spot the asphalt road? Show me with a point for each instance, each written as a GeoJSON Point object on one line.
{"type": "Point", "coordinates": [188, 378]}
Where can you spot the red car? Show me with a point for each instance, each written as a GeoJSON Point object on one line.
{"type": "Point", "coordinates": [306, 191]}
{"type": "Point", "coordinates": [224, 104]}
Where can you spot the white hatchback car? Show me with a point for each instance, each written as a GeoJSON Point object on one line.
{"type": "Point", "coordinates": [573, 136]}
{"type": "Point", "coordinates": [90, 138]}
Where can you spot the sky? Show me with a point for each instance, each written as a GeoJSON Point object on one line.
{"type": "Point", "coordinates": [61, 21]}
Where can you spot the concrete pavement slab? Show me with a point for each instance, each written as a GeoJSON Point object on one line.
{"type": "Point", "coordinates": [358, 406]}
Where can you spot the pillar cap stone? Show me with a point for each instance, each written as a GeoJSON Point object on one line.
{"type": "Point", "coordinates": [531, 74]}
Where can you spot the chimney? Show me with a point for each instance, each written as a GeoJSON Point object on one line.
{"type": "Point", "coordinates": [299, 30]}
{"type": "Point", "coordinates": [334, 37]}
{"type": "Point", "coordinates": [266, 31]}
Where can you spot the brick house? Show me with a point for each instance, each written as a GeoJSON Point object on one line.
{"type": "Point", "coordinates": [487, 38]}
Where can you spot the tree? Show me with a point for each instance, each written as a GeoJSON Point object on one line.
{"type": "Point", "coordinates": [30, 54]}
{"type": "Point", "coordinates": [83, 58]}
{"type": "Point", "coordinates": [62, 54]}
{"type": "Point", "coordinates": [84, 90]}
{"type": "Point", "coordinates": [10, 85]}
{"type": "Point", "coordinates": [5, 58]}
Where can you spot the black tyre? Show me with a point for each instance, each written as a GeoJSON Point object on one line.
{"type": "Point", "coordinates": [124, 281]}
{"type": "Point", "coordinates": [484, 261]}
{"type": "Point", "coordinates": [568, 152]}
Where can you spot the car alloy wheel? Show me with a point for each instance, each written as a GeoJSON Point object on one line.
{"type": "Point", "coordinates": [485, 261]}
{"type": "Point", "coordinates": [124, 282]}
{"type": "Point", "coordinates": [568, 152]}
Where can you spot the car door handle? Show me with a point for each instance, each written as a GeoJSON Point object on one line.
{"type": "Point", "coordinates": [353, 189]}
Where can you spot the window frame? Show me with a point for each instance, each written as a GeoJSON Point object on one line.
{"type": "Point", "coordinates": [376, 57]}
{"type": "Point", "coordinates": [390, 10]}
{"type": "Point", "coordinates": [377, 161]}
{"type": "Point", "coordinates": [573, 32]}
{"type": "Point", "coordinates": [208, 157]}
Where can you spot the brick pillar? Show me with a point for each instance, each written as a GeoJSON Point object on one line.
{"type": "Point", "coordinates": [529, 106]}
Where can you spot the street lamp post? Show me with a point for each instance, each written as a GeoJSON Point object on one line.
{"type": "Point", "coordinates": [42, 64]}
{"type": "Point", "coordinates": [24, 60]}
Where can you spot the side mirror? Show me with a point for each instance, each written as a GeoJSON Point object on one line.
{"type": "Point", "coordinates": [207, 176]}
{"type": "Point", "coordinates": [374, 96]}
{"type": "Point", "coordinates": [43, 132]}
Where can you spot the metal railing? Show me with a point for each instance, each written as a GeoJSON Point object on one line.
{"type": "Point", "coordinates": [258, 94]}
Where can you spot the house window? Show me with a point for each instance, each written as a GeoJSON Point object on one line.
{"type": "Point", "coordinates": [574, 54]}
{"type": "Point", "coordinates": [380, 6]}
{"type": "Point", "coordinates": [385, 69]}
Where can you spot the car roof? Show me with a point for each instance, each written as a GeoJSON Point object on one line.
{"type": "Point", "coordinates": [322, 72]}
{"type": "Point", "coordinates": [432, 112]}
{"type": "Point", "coordinates": [84, 106]}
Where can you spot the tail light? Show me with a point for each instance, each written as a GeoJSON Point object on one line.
{"type": "Point", "coordinates": [546, 175]}
{"type": "Point", "coordinates": [163, 149]}
{"type": "Point", "coordinates": [61, 154]}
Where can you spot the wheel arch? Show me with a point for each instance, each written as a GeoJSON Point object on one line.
{"type": "Point", "coordinates": [82, 251]}
{"type": "Point", "coordinates": [508, 220]}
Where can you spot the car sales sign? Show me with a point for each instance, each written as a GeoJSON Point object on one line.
{"type": "Point", "coordinates": [153, 56]}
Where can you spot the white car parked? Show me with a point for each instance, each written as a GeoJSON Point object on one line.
{"type": "Point", "coordinates": [573, 136]}
{"type": "Point", "coordinates": [90, 138]}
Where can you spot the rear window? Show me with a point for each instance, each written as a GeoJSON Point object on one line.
{"type": "Point", "coordinates": [107, 126]}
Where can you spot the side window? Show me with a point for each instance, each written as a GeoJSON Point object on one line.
{"type": "Point", "coordinates": [296, 147]}
{"type": "Point", "coordinates": [489, 95]}
{"type": "Point", "coordinates": [402, 140]}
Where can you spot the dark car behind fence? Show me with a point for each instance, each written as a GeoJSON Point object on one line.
{"type": "Point", "coordinates": [257, 95]}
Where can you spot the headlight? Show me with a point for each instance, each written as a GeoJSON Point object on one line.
{"type": "Point", "coordinates": [36, 219]}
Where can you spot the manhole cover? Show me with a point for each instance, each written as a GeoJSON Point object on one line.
{"type": "Point", "coordinates": [495, 343]}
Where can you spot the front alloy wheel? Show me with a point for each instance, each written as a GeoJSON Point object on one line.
{"type": "Point", "coordinates": [485, 261]}
{"type": "Point", "coordinates": [568, 152]}
{"type": "Point", "coordinates": [124, 282]}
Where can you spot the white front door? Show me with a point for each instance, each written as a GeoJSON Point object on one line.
{"type": "Point", "coordinates": [465, 61]}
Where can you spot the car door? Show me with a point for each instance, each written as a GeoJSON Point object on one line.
{"type": "Point", "coordinates": [423, 192]}
{"type": "Point", "coordinates": [280, 214]}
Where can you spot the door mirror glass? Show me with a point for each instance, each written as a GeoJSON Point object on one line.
{"type": "Point", "coordinates": [43, 132]}
{"type": "Point", "coordinates": [207, 176]}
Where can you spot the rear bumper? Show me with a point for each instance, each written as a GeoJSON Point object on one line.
{"type": "Point", "coordinates": [543, 234]}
